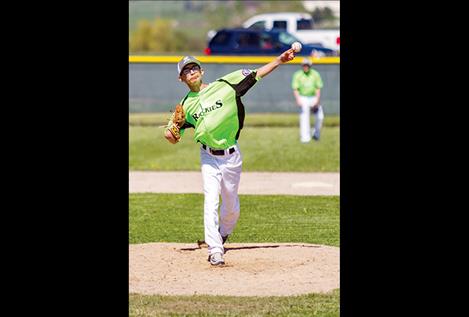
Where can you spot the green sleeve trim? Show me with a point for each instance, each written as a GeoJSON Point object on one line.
{"type": "Point", "coordinates": [294, 81]}
{"type": "Point", "coordinates": [258, 78]}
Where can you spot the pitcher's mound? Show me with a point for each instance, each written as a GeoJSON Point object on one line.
{"type": "Point", "coordinates": [251, 269]}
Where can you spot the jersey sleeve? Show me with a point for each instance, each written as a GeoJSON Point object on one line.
{"type": "Point", "coordinates": [241, 80]}
{"type": "Point", "coordinates": [319, 83]}
{"type": "Point", "coordinates": [295, 84]}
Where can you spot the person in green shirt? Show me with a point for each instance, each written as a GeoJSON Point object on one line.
{"type": "Point", "coordinates": [216, 113]}
{"type": "Point", "coordinates": [306, 85]}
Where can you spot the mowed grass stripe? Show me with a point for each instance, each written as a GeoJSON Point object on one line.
{"type": "Point", "coordinates": [273, 149]}
{"type": "Point", "coordinates": [318, 305]}
{"type": "Point", "coordinates": [251, 120]}
{"type": "Point", "coordinates": [269, 218]}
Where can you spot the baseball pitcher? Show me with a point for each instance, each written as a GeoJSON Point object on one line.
{"type": "Point", "coordinates": [216, 113]}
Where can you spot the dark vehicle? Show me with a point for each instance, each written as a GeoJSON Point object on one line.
{"type": "Point", "coordinates": [259, 42]}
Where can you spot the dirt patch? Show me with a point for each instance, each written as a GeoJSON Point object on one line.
{"type": "Point", "coordinates": [251, 269]}
{"type": "Point", "coordinates": [252, 183]}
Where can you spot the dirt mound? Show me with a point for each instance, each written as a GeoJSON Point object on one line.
{"type": "Point", "coordinates": [251, 269]}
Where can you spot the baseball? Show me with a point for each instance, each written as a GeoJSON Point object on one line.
{"type": "Point", "coordinates": [296, 46]}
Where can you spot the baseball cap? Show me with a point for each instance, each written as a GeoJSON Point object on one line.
{"type": "Point", "coordinates": [186, 60]}
{"type": "Point", "coordinates": [306, 61]}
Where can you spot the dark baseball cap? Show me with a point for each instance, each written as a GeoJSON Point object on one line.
{"type": "Point", "coordinates": [186, 60]}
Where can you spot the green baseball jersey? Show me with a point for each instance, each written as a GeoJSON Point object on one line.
{"type": "Point", "coordinates": [216, 112]}
{"type": "Point", "coordinates": [308, 83]}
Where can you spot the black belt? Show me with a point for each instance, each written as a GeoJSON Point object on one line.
{"type": "Point", "coordinates": [218, 152]}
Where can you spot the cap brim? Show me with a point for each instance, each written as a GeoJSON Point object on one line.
{"type": "Point", "coordinates": [191, 62]}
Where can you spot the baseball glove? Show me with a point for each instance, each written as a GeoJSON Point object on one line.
{"type": "Point", "coordinates": [315, 108]}
{"type": "Point", "coordinates": [177, 120]}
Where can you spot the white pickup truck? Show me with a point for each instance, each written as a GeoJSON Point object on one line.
{"type": "Point", "coordinates": [301, 25]}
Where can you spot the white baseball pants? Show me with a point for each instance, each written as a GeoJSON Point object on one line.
{"type": "Point", "coordinates": [305, 128]}
{"type": "Point", "coordinates": [221, 175]}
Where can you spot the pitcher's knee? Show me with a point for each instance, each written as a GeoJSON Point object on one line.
{"type": "Point", "coordinates": [230, 217]}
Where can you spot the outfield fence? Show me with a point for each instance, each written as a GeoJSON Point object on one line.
{"type": "Point", "coordinates": [153, 84]}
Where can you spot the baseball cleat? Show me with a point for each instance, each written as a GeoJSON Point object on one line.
{"type": "Point", "coordinates": [216, 259]}
{"type": "Point", "coordinates": [201, 243]}
{"type": "Point", "coordinates": [224, 238]}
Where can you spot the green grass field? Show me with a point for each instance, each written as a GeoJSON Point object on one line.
{"type": "Point", "coordinates": [264, 218]}
{"type": "Point", "coordinates": [179, 218]}
{"type": "Point", "coordinates": [318, 305]}
{"type": "Point", "coordinates": [269, 142]}
{"type": "Point", "coordinates": [251, 120]}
